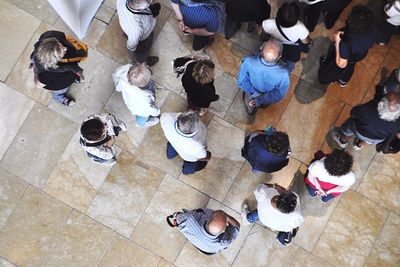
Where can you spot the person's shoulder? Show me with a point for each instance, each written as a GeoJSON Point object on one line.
{"type": "Point", "coordinates": [268, 24]}
{"type": "Point", "coordinates": [317, 165]}
{"type": "Point", "coordinates": [168, 117]}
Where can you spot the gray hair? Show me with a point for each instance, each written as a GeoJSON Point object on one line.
{"type": "Point", "coordinates": [387, 110]}
{"type": "Point", "coordinates": [188, 121]}
{"type": "Point", "coordinates": [49, 52]}
{"type": "Point", "coordinates": [139, 75]}
{"type": "Point", "coordinates": [140, 4]}
{"type": "Point", "coordinates": [271, 50]}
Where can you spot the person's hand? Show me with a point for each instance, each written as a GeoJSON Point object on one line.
{"type": "Point", "coordinates": [187, 30]}
{"type": "Point", "coordinates": [252, 103]}
{"type": "Point", "coordinates": [321, 192]}
{"type": "Point", "coordinates": [337, 37]}
{"type": "Point", "coordinates": [182, 25]}
{"type": "Point", "coordinates": [110, 142]}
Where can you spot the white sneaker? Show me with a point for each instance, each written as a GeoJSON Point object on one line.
{"type": "Point", "coordinates": [245, 210]}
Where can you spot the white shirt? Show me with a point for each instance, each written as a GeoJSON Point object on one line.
{"type": "Point", "coordinates": [272, 217]}
{"type": "Point", "coordinates": [189, 148]}
{"type": "Point", "coordinates": [137, 27]}
{"type": "Point", "coordinates": [298, 31]}
{"type": "Point", "coordinates": [318, 170]}
{"type": "Point", "coordinates": [394, 13]}
{"type": "Point", "coordinates": [140, 102]}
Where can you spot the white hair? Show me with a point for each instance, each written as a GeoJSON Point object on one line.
{"type": "Point", "coordinates": [188, 121]}
{"type": "Point", "coordinates": [49, 53]}
{"type": "Point", "coordinates": [387, 111]}
{"type": "Point", "coordinates": [139, 75]}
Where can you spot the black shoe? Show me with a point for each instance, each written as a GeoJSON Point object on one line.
{"type": "Point", "coordinates": [152, 60]}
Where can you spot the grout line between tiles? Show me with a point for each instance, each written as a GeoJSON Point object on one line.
{"type": "Point", "coordinates": [107, 249]}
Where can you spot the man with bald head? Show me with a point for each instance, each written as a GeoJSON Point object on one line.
{"type": "Point", "coordinates": [210, 231]}
{"type": "Point", "coordinates": [263, 78]}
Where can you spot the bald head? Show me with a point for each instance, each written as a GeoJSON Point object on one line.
{"type": "Point", "coordinates": [271, 50]}
{"type": "Point", "coordinates": [217, 224]}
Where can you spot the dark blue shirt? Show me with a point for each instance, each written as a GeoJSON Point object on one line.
{"type": "Point", "coordinates": [260, 158]}
{"type": "Point", "coordinates": [202, 16]}
{"type": "Point", "coordinates": [360, 44]}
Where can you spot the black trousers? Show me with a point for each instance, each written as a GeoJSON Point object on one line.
{"type": "Point", "coordinates": [143, 49]}
{"type": "Point", "coordinates": [312, 13]}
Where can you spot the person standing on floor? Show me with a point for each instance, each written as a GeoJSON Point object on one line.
{"type": "Point", "coordinates": [98, 134]}
{"type": "Point", "coordinates": [134, 81]}
{"type": "Point", "coordinates": [267, 151]}
{"type": "Point", "coordinates": [202, 18]}
{"type": "Point", "coordinates": [137, 20]}
{"type": "Point", "coordinates": [210, 231]}
{"type": "Point", "coordinates": [187, 137]}
{"type": "Point", "coordinates": [263, 78]}
{"type": "Point", "coordinates": [55, 64]}
{"type": "Point", "coordinates": [329, 175]}
{"type": "Point", "coordinates": [389, 19]}
{"type": "Point", "coordinates": [330, 9]}
{"type": "Point", "coordinates": [252, 11]}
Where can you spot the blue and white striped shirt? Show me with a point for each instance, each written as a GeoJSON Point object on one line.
{"type": "Point", "coordinates": [193, 223]}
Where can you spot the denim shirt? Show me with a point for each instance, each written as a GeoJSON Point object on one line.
{"type": "Point", "coordinates": [267, 83]}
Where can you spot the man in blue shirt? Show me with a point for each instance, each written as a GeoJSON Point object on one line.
{"type": "Point", "coordinates": [263, 78]}
{"type": "Point", "coordinates": [197, 17]}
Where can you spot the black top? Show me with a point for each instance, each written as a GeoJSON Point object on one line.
{"type": "Point", "coordinates": [248, 10]}
{"type": "Point", "coordinates": [367, 119]}
{"type": "Point", "coordinates": [199, 95]}
{"type": "Point", "coordinates": [65, 74]}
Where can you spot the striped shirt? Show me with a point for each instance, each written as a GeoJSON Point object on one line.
{"type": "Point", "coordinates": [201, 16]}
{"type": "Point", "coordinates": [192, 224]}
{"type": "Point", "coordinates": [137, 27]}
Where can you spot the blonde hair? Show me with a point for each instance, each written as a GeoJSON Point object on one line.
{"type": "Point", "coordinates": [139, 75]}
{"type": "Point", "coordinates": [49, 53]}
{"type": "Point", "coordinates": [203, 71]}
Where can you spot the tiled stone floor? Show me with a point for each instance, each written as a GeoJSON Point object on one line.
{"type": "Point", "coordinates": [58, 208]}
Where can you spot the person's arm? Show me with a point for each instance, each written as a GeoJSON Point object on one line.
{"type": "Point", "coordinates": [340, 62]}
{"type": "Point", "coordinates": [338, 189]}
{"type": "Point", "coordinates": [232, 221]}
{"type": "Point", "coordinates": [314, 181]}
{"type": "Point", "coordinates": [272, 96]}
{"type": "Point", "coordinates": [198, 31]}
{"type": "Point", "coordinates": [179, 16]}
{"type": "Point", "coordinates": [243, 79]}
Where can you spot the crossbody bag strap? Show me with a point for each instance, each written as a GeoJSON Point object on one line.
{"type": "Point", "coordinates": [282, 33]}
{"type": "Point", "coordinates": [137, 12]}
{"type": "Point", "coordinates": [102, 142]}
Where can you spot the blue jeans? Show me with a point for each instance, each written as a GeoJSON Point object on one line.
{"type": "Point", "coordinates": [59, 95]}
{"type": "Point", "coordinates": [253, 216]}
{"type": "Point", "coordinates": [348, 128]}
{"type": "Point", "coordinates": [141, 121]}
{"type": "Point", "coordinates": [313, 193]}
{"type": "Point", "coordinates": [188, 167]}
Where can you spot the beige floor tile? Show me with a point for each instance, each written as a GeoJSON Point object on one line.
{"type": "Point", "coordinates": [307, 125]}
{"type": "Point", "coordinates": [262, 249]}
{"type": "Point", "coordinates": [134, 136]}
{"type": "Point", "coordinates": [14, 108]}
{"type": "Point", "coordinates": [11, 190]}
{"type": "Point", "coordinates": [225, 162]}
{"type": "Point", "coordinates": [190, 256]}
{"type": "Point", "coordinates": [93, 35]}
{"type": "Point", "coordinates": [248, 41]}
{"type": "Point", "coordinates": [152, 231]}
{"type": "Point", "coordinates": [386, 251]}
{"type": "Point", "coordinates": [164, 263]}
{"type": "Point", "coordinates": [124, 252]}
{"type": "Point", "coordinates": [15, 2]}
{"type": "Point", "coordinates": [41, 139]}
{"type": "Point", "coordinates": [152, 151]}
{"type": "Point", "coordinates": [125, 194]}
{"type": "Point", "coordinates": [352, 231]}
{"type": "Point", "coordinates": [21, 78]}
{"type": "Point", "coordinates": [306, 259]}
{"type": "Point", "coordinates": [162, 18]}
{"type": "Point", "coordinates": [76, 178]}
{"type": "Point", "coordinates": [246, 182]}
{"type": "Point", "coordinates": [105, 13]}
{"type": "Point", "coordinates": [40, 9]}
{"type": "Point", "coordinates": [27, 236]}
{"type": "Point", "coordinates": [110, 3]}
{"type": "Point", "coordinates": [92, 94]}
{"type": "Point", "coordinates": [82, 242]}
{"type": "Point", "coordinates": [381, 183]}
{"type": "Point", "coordinates": [18, 26]}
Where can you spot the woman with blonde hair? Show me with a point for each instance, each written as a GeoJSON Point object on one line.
{"type": "Point", "coordinates": [137, 88]}
{"type": "Point", "coordinates": [55, 61]}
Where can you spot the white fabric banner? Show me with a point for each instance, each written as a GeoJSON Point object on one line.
{"type": "Point", "coordinates": [77, 14]}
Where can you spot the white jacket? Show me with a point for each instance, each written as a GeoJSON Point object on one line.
{"type": "Point", "coordinates": [139, 102]}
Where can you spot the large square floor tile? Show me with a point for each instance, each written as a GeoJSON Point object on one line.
{"type": "Point", "coordinates": [306, 259]}
{"type": "Point", "coordinates": [40, 9]}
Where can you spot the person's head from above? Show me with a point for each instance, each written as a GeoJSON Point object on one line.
{"type": "Point", "coordinates": [288, 14]}
{"type": "Point", "coordinates": [338, 162]}
{"type": "Point", "coordinates": [286, 202]}
{"type": "Point", "coordinates": [218, 222]}
{"type": "Point", "coordinates": [360, 20]}
{"type": "Point", "coordinates": [277, 143]}
{"type": "Point", "coordinates": [203, 71]}
{"type": "Point", "coordinates": [139, 75]}
{"type": "Point", "coordinates": [93, 130]}
{"type": "Point", "coordinates": [49, 52]}
{"type": "Point", "coordinates": [393, 82]}
{"type": "Point", "coordinates": [389, 107]}
{"type": "Point", "coordinates": [271, 50]}
{"type": "Point", "coordinates": [139, 4]}
{"type": "Point", "coordinates": [188, 122]}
